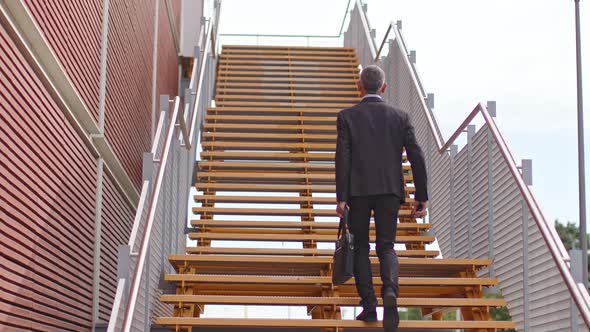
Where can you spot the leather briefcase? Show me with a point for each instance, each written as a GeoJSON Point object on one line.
{"type": "Point", "coordinates": [343, 267]}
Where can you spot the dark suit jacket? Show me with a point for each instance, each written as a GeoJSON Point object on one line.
{"type": "Point", "coordinates": [371, 136]}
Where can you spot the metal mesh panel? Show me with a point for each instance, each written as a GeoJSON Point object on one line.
{"type": "Point", "coordinates": [479, 198]}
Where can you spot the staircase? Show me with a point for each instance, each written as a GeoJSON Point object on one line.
{"type": "Point", "coordinates": [268, 143]}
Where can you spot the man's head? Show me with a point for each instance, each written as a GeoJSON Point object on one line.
{"type": "Point", "coordinates": [372, 81]}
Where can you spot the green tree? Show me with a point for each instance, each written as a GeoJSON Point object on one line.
{"type": "Point", "coordinates": [411, 314]}
{"type": "Point", "coordinates": [499, 314]}
{"type": "Point", "coordinates": [570, 236]}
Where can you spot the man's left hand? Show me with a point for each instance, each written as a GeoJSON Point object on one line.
{"type": "Point", "coordinates": [340, 209]}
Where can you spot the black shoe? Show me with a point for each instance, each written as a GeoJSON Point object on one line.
{"type": "Point", "coordinates": [390, 314]}
{"type": "Point", "coordinates": [368, 315]}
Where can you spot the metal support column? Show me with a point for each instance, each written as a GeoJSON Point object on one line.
{"type": "Point", "coordinates": [103, 66]}
{"type": "Point", "coordinates": [527, 174]}
{"type": "Point", "coordinates": [453, 153]}
{"type": "Point", "coordinates": [97, 243]}
{"type": "Point", "coordinates": [146, 299]}
{"type": "Point", "coordinates": [581, 157]}
{"type": "Point", "coordinates": [102, 92]}
{"type": "Point", "coordinates": [577, 269]}
{"type": "Point", "coordinates": [147, 175]}
{"type": "Point", "coordinates": [491, 106]}
{"type": "Point", "coordinates": [164, 111]}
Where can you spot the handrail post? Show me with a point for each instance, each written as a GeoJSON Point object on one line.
{"type": "Point", "coordinates": [97, 243]}
{"type": "Point", "coordinates": [123, 264]}
{"type": "Point", "coordinates": [430, 100]}
{"type": "Point", "coordinates": [412, 56]}
{"type": "Point", "coordinates": [470, 135]}
{"type": "Point", "coordinates": [491, 106]}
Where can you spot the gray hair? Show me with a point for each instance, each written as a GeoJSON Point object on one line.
{"type": "Point", "coordinates": [372, 78]}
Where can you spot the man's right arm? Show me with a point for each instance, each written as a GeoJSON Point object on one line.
{"type": "Point", "coordinates": [416, 158]}
{"type": "Point", "coordinates": [343, 160]}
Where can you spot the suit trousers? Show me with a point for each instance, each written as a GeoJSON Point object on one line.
{"type": "Point", "coordinates": [385, 208]}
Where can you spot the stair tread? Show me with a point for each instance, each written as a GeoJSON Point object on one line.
{"type": "Point", "coordinates": [294, 58]}
{"type": "Point", "coordinates": [475, 262]}
{"type": "Point", "coordinates": [225, 68]}
{"type": "Point", "coordinates": [265, 199]}
{"type": "Point", "coordinates": [296, 252]}
{"type": "Point", "coordinates": [268, 146]}
{"type": "Point", "coordinates": [324, 177]}
{"type": "Point", "coordinates": [313, 265]}
{"type": "Point", "coordinates": [224, 103]}
{"type": "Point", "coordinates": [230, 109]}
{"type": "Point", "coordinates": [247, 279]}
{"type": "Point", "coordinates": [296, 237]}
{"type": "Point", "coordinates": [275, 47]}
{"type": "Point", "coordinates": [290, 224]}
{"type": "Point", "coordinates": [286, 79]}
{"type": "Point", "coordinates": [430, 302]}
{"type": "Point", "coordinates": [270, 164]}
{"type": "Point", "coordinates": [318, 323]}
{"type": "Point", "coordinates": [266, 137]}
{"type": "Point", "coordinates": [268, 73]}
{"type": "Point", "coordinates": [256, 187]}
{"type": "Point", "coordinates": [258, 126]}
{"type": "Point", "coordinates": [264, 57]}
{"type": "Point", "coordinates": [256, 155]}
{"type": "Point", "coordinates": [331, 120]}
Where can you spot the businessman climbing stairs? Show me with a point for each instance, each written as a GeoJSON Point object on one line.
{"type": "Point", "coordinates": [266, 176]}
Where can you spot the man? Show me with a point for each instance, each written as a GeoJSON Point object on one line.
{"type": "Point", "coordinates": [369, 177]}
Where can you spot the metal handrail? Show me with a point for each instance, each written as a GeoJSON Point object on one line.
{"type": "Point", "coordinates": [145, 242]}
{"type": "Point", "coordinates": [383, 41]}
{"type": "Point", "coordinates": [560, 256]}
{"type": "Point", "coordinates": [188, 133]}
{"type": "Point", "coordinates": [194, 126]}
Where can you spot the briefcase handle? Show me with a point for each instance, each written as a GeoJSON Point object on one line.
{"type": "Point", "coordinates": [344, 223]}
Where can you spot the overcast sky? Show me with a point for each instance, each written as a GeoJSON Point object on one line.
{"type": "Point", "coordinates": [520, 53]}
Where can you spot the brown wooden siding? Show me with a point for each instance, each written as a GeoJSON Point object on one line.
{"type": "Point", "coordinates": [129, 82]}
{"type": "Point", "coordinates": [167, 82]}
{"type": "Point", "coordinates": [47, 188]}
{"type": "Point", "coordinates": [48, 175]}
{"type": "Point", "coordinates": [73, 30]}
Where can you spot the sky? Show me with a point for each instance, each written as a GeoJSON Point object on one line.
{"type": "Point", "coordinates": [518, 53]}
